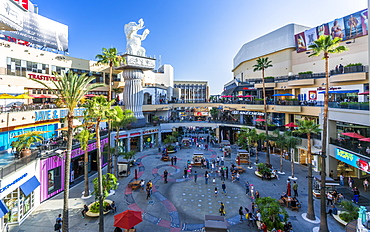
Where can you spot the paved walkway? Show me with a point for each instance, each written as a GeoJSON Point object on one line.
{"type": "Point", "coordinates": [179, 205]}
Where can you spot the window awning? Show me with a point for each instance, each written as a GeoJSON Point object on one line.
{"type": "Point", "coordinates": [30, 185]}
{"type": "Point", "coordinates": [3, 209]}
{"type": "Point", "coordinates": [341, 91]}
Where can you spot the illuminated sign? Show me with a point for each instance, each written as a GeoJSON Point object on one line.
{"type": "Point", "coordinates": [13, 183]}
{"type": "Point", "coordinates": [352, 159]}
{"type": "Point", "coordinates": [41, 77]}
{"type": "Point", "coordinates": [248, 113]}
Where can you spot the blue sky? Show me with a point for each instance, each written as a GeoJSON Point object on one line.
{"type": "Point", "coordinates": [199, 38]}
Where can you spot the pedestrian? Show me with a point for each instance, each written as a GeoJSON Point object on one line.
{"type": "Point", "coordinates": [84, 211]}
{"type": "Point", "coordinates": [241, 213]}
{"type": "Point", "coordinates": [295, 188]}
{"type": "Point", "coordinates": [222, 209]}
{"type": "Point", "coordinates": [288, 188]}
{"type": "Point", "coordinates": [142, 183]}
{"type": "Point", "coordinates": [216, 191]}
{"type": "Point", "coordinates": [222, 160]}
{"type": "Point", "coordinates": [276, 174]}
{"type": "Point", "coordinates": [165, 175]}
{"type": "Point", "coordinates": [251, 219]}
{"type": "Point", "coordinates": [246, 188]}
{"type": "Point", "coordinates": [223, 186]}
{"type": "Point", "coordinates": [214, 181]}
{"type": "Point", "coordinates": [341, 179]}
{"type": "Point", "coordinates": [329, 198]}
{"type": "Point", "coordinates": [206, 176]}
{"type": "Point", "coordinates": [259, 216]}
{"type": "Point", "coordinates": [58, 223]}
{"type": "Point", "coordinates": [222, 172]}
{"type": "Point", "coordinates": [263, 227]}
{"type": "Point", "coordinates": [113, 206]}
{"type": "Point", "coordinates": [185, 173]}
{"type": "Point", "coordinates": [174, 160]}
{"type": "Point", "coordinates": [195, 176]}
{"type": "Point", "coordinates": [218, 160]}
{"type": "Point", "coordinates": [251, 187]}
{"type": "Point", "coordinates": [257, 194]}
{"type": "Point", "coordinates": [366, 185]}
{"type": "Point", "coordinates": [350, 182]}
{"type": "Point", "coordinates": [253, 207]}
{"type": "Point", "coordinates": [237, 176]}
{"type": "Point", "coordinates": [356, 195]}
{"type": "Point", "coordinates": [227, 173]}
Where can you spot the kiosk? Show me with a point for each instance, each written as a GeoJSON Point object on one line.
{"type": "Point", "coordinates": [197, 159]}
{"type": "Point", "coordinates": [330, 186]}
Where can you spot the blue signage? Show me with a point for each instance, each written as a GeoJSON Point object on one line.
{"type": "Point", "coordinates": [13, 183]}
{"type": "Point", "coordinates": [43, 115]}
{"type": "Point", "coordinates": [352, 159]}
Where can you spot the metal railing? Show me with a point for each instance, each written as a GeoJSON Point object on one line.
{"type": "Point", "coordinates": [18, 164]}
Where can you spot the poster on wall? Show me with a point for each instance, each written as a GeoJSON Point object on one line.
{"type": "Point", "coordinates": [51, 184]}
{"type": "Point", "coordinates": [38, 30]}
{"type": "Point", "coordinates": [322, 30]}
{"type": "Point", "coordinates": [312, 95]}
{"type": "Point", "coordinates": [300, 42]}
{"type": "Point", "coordinates": [352, 160]}
{"type": "Point", "coordinates": [54, 180]}
{"type": "Point", "coordinates": [356, 24]}
{"type": "Point", "coordinates": [310, 36]}
{"type": "Point", "coordinates": [337, 29]}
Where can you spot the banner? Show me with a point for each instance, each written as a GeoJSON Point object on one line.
{"type": "Point", "coordinates": [348, 27]}
{"type": "Point", "coordinates": [38, 30]}
{"type": "Point", "coordinates": [352, 159]}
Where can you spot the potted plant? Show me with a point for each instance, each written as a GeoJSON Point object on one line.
{"type": "Point", "coordinates": [155, 120]}
{"type": "Point", "coordinates": [272, 214]}
{"type": "Point", "coordinates": [258, 100]}
{"type": "Point", "coordinates": [269, 79]}
{"type": "Point", "coordinates": [292, 101]}
{"type": "Point", "coordinates": [348, 214]}
{"type": "Point", "coordinates": [25, 141]}
{"type": "Point", "coordinates": [355, 67]}
{"type": "Point", "coordinates": [305, 75]}
{"type": "Point", "coordinates": [262, 169]}
{"type": "Point", "coordinates": [109, 183]}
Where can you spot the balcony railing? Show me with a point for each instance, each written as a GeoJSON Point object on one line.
{"type": "Point", "coordinates": [17, 164]}
{"type": "Point", "coordinates": [350, 105]}
{"type": "Point", "coordinates": [349, 144]}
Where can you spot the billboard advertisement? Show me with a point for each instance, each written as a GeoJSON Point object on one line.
{"type": "Point", "coordinates": [352, 159]}
{"type": "Point", "coordinates": [41, 31]}
{"type": "Point", "coordinates": [11, 15]}
{"type": "Point", "coordinates": [348, 27]}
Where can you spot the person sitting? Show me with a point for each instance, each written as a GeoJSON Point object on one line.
{"type": "Point", "coordinates": [108, 207]}
{"type": "Point", "coordinates": [283, 195]}
{"type": "Point", "coordinates": [84, 211]}
{"type": "Point", "coordinates": [333, 210]}
{"type": "Point", "coordinates": [113, 207]}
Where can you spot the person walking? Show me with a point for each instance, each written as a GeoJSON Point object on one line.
{"type": "Point", "coordinates": [174, 160]}
{"type": "Point", "coordinates": [250, 219]}
{"type": "Point", "coordinates": [223, 186]}
{"type": "Point", "coordinates": [350, 182]}
{"type": "Point", "coordinates": [222, 209]}
{"type": "Point", "coordinates": [366, 185]}
{"type": "Point", "coordinates": [341, 179]}
{"type": "Point", "coordinates": [206, 177]}
{"type": "Point", "coordinates": [246, 188]}
{"type": "Point", "coordinates": [195, 176]}
{"type": "Point", "coordinates": [216, 191]}
{"type": "Point", "coordinates": [288, 188]}
{"type": "Point", "coordinates": [356, 195]}
{"type": "Point", "coordinates": [165, 175]}
{"type": "Point", "coordinates": [185, 173]}
{"type": "Point", "coordinates": [241, 213]}
{"type": "Point", "coordinates": [58, 223]}
{"type": "Point", "coordinates": [329, 198]}
{"type": "Point", "coordinates": [295, 188]}
{"type": "Point", "coordinates": [227, 173]}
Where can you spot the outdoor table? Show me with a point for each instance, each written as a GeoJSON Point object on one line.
{"type": "Point", "coordinates": [134, 184]}
{"type": "Point", "coordinates": [287, 201]}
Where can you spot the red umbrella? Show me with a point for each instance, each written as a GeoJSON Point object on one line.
{"type": "Point", "coordinates": [260, 120]}
{"type": "Point", "coordinates": [240, 96]}
{"type": "Point", "coordinates": [291, 125]}
{"type": "Point", "coordinates": [364, 93]}
{"type": "Point", "coordinates": [365, 139]}
{"type": "Point", "coordinates": [248, 96]}
{"type": "Point", "coordinates": [90, 95]}
{"type": "Point", "coordinates": [127, 219]}
{"type": "Point", "coordinates": [353, 135]}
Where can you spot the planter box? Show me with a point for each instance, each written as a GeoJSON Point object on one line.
{"type": "Point", "coordinates": [352, 69]}
{"type": "Point", "coordinates": [336, 217]}
{"type": "Point", "coordinates": [269, 80]}
{"type": "Point", "coordinates": [90, 214]}
{"type": "Point", "coordinates": [260, 175]}
{"type": "Point", "coordinates": [305, 76]}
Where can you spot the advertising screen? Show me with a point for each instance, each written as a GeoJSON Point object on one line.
{"type": "Point", "coordinates": [38, 30]}
{"type": "Point", "coordinates": [352, 160]}
{"type": "Point", "coordinates": [348, 27]}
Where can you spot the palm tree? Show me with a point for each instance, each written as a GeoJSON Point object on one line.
{"type": "Point", "coordinates": [99, 109]}
{"type": "Point", "coordinates": [84, 137]}
{"type": "Point", "coordinates": [309, 127]}
{"type": "Point", "coordinates": [70, 89]}
{"type": "Point", "coordinates": [262, 64]}
{"type": "Point", "coordinates": [252, 137]}
{"type": "Point", "coordinates": [262, 137]}
{"type": "Point", "coordinates": [326, 45]}
{"type": "Point", "coordinates": [123, 118]}
{"type": "Point", "coordinates": [109, 57]}
{"type": "Point", "coordinates": [292, 142]}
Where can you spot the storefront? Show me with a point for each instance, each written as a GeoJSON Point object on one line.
{"type": "Point", "coordinates": [247, 117]}
{"type": "Point", "coordinates": [149, 138]}
{"type": "Point", "coordinates": [52, 169]}
{"type": "Point", "coordinates": [20, 194]}
{"type": "Point", "coordinates": [350, 164]}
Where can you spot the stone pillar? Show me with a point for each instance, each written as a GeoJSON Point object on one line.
{"type": "Point", "coordinates": [128, 144]}
{"type": "Point", "coordinates": [133, 92]}
{"type": "Point", "coordinates": [141, 143]}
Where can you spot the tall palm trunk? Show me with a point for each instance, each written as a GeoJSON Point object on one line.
{"type": "Point", "coordinates": [265, 111]}
{"type": "Point", "coordinates": [310, 209]}
{"type": "Point", "coordinates": [86, 173]}
{"type": "Point", "coordinates": [323, 218]}
{"type": "Point", "coordinates": [116, 153]}
{"type": "Point", "coordinates": [100, 180]}
{"type": "Point", "coordinates": [67, 172]}
{"type": "Point", "coordinates": [109, 124]}
{"type": "Point", "coordinates": [281, 163]}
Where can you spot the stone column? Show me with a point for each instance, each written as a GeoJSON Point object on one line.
{"type": "Point", "coordinates": [128, 144]}
{"type": "Point", "coordinates": [141, 143]}
{"type": "Point", "coordinates": [133, 92]}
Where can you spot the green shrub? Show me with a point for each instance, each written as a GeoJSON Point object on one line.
{"type": "Point", "coordinates": [350, 212]}
{"type": "Point", "coordinates": [292, 99]}
{"type": "Point", "coordinates": [258, 99]}
{"type": "Point", "coordinates": [343, 104]}
{"type": "Point", "coordinates": [94, 208]}
{"type": "Point", "coordinates": [262, 168]}
{"type": "Point", "coordinates": [354, 64]}
{"type": "Point", "coordinates": [269, 77]}
{"type": "Point", "coordinates": [307, 72]}
{"type": "Point", "coordinates": [272, 213]}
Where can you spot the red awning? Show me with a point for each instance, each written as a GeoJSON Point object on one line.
{"type": "Point", "coordinates": [353, 135]}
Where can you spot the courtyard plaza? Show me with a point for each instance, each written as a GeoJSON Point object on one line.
{"type": "Point", "coordinates": [180, 204]}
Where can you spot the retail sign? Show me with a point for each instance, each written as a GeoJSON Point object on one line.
{"type": "Point", "coordinates": [150, 131]}
{"type": "Point", "coordinates": [91, 147]}
{"type": "Point", "coordinates": [312, 95]}
{"type": "Point", "coordinates": [13, 183]}
{"type": "Point", "coordinates": [352, 159]}
{"type": "Point", "coordinates": [200, 113]}
{"type": "Point", "coordinates": [41, 77]}
{"type": "Point", "coordinates": [330, 88]}
{"type": "Point", "coordinates": [248, 113]}
{"type": "Point", "coordinates": [43, 115]}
